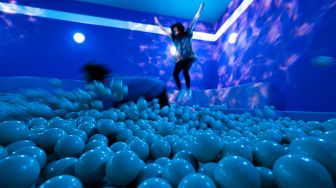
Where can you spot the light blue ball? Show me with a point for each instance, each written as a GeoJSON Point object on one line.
{"type": "Point", "coordinates": [69, 146]}
{"type": "Point", "coordinates": [90, 167]}
{"type": "Point", "coordinates": [3, 152]}
{"type": "Point", "coordinates": [267, 152]}
{"type": "Point", "coordinates": [124, 135]}
{"type": "Point", "coordinates": [140, 147]}
{"type": "Point", "coordinates": [187, 155]}
{"type": "Point", "coordinates": [162, 161]}
{"type": "Point", "coordinates": [323, 151]}
{"type": "Point", "coordinates": [79, 133]}
{"type": "Point", "coordinates": [237, 148]}
{"type": "Point", "coordinates": [176, 170]}
{"type": "Point", "coordinates": [88, 128]}
{"type": "Point", "coordinates": [98, 137]}
{"type": "Point", "coordinates": [11, 131]}
{"type": "Point", "coordinates": [62, 181]}
{"type": "Point", "coordinates": [295, 170]}
{"type": "Point", "coordinates": [197, 181]}
{"type": "Point", "coordinates": [155, 183]}
{"type": "Point", "coordinates": [65, 166]}
{"type": "Point", "coordinates": [149, 171]}
{"type": "Point", "coordinates": [329, 135]}
{"type": "Point", "coordinates": [37, 121]}
{"type": "Point", "coordinates": [95, 144]}
{"type": "Point", "coordinates": [61, 123]}
{"type": "Point", "coordinates": [179, 145]}
{"type": "Point", "coordinates": [18, 171]}
{"type": "Point", "coordinates": [35, 152]}
{"type": "Point", "coordinates": [123, 168]}
{"type": "Point", "coordinates": [208, 169]}
{"type": "Point", "coordinates": [266, 177]}
{"type": "Point", "coordinates": [236, 172]}
{"type": "Point", "coordinates": [206, 147]}
{"type": "Point", "coordinates": [50, 137]}
{"type": "Point", "coordinates": [106, 127]}
{"type": "Point", "coordinates": [18, 145]}
{"type": "Point", "coordinates": [118, 146]}
{"type": "Point", "coordinates": [160, 148]}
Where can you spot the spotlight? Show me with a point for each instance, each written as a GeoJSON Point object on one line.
{"type": "Point", "coordinates": [233, 38]}
{"type": "Point", "coordinates": [173, 50]}
{"type": "Point", "coordinates": [79, 37]}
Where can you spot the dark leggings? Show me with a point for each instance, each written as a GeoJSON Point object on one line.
{"type": "Point", "coordinates": [185, 66]}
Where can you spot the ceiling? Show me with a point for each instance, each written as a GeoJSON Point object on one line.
{"type": "Point", "coordinates": [184, 9]}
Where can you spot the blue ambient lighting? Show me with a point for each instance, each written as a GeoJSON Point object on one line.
{"type": "Point", "coordinates": [79, 37]}
{"type": "Point", "coordinates": [108, 22]}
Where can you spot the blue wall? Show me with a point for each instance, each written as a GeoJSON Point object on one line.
{"type": "Point", "coordinates": [278, 42]}
{"type": "Point", "coordinates": [44, 47]}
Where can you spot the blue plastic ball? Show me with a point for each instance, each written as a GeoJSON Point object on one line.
{"type": "Point", "coordinates": [90, 167]}
{"type": "Point", "coordinates": [50, 137]}
{"type": "Point", "coordinates": [206, 147]}
{"type": "Point", "coordinates": [295, 170]}
{"type": "Point", "coordinates": [208, 169]}
{"type": "Point", "coordinates": [60, 167]}
{"type": "Point", "coordinates": [267, 152]}
{"type": "Point", "coordinates": [237, 148]}
{"type": "Point", "coordinates": [3, 152]}
{"type": "Point", "coordinates": [18, 145]}
{"type": "Point", "coordinates": [266, 177]}
{"type": "Point", "coordinates": [149, 171]}
{"type": "Point", "coordinates": [79, 133]}
{"type": "Point", "coordinates": [140, 147]}
{"type": "Point", "coordinates": [62, 181]}
{"type": "Point", "coordinates": [123, 167]}
{"type": "Point", "coordinates": [11, 131]}
{"type": "Point", "coordinates": [98, 137]}
{"type": "Point", "coordinates": [69, 146]}
{"type": "Point", "coordinates": [18, 171]}
{"type": "Point", "coordinates": [176, 170]}
{"type": "Point", "coordinates": [162, 161]}
{"type": "Point", "coordinates": [155, 183]}
{"type": "Point", "coordinates": [35, 152]}
{"type": "Point", "coordinates": [197, 181]}
{"type": "Point", "coordinates": [118, 146]}
{"type": "Point", "coordinates": [236, 171]}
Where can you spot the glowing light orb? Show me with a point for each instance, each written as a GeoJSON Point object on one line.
{"type": "Point", "coordinates": [233, 38]}
{"type": "Point", "coordinates": [173, 50]}
{"type": "Point", "coordinates": [79, 38]}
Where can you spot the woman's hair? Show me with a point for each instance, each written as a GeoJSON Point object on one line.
{"type": "Point", "coordinates": [180, 28]}
{"type": "Point", "coordinates": [94, 72]}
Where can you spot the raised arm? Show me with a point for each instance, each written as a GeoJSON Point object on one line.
{"type": "Point", "coordinates": [196, 17]}
{"type": "Point", "coordinates": [156, 20]}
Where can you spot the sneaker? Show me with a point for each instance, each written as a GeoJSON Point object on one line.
{"type": "Point", "coordinates": [189, 93]}
{"type": "Point", "coordinates": [180, 95]}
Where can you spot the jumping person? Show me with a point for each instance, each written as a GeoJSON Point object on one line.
{"type": "Point", "coordinates": [185, 56]}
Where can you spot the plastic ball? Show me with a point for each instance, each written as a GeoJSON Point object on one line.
{"type": "Point", "coordinates": [323, 151]}
{"type": "Point", "coordinates": [142, 104]}
{"type": "Point", "coordinates": [69, 146]}
{"type": "Point", "coordinates": [90, 167]}
{"type": "Point", "coordinates": [267, 152]}
{"type": "Point", "coordinates": [62, 181]}
{"type": "Point", "coordinates": [149, 171]}
{"type": "Point", "coordinates": [88, 128]}
{"type": "Point", "coordinates": [197, 181]}
{"type": "Point", "coordinates": [61, 123]}
{"type": "Point", "coordinates": [50, 137]}
{"type": "Point", "coordinates": [162, 161]}
{"type": "Point", "coordinates": [3, 152]}
{"type": "Point", "coordinates": [118, 146]}
{"type": "Point", "coordinates": [187, 155]}
{"type": "Point", "coordinates": [330, 135]}
{"type": "Point", "coordinates": [176, 170]}
{"type": "Point", "coordinates": [123, 167]}
{"type": "Point", "coordinates": [160, 148]}
{"type": "Point", "coordinates": [95, 144]}
{"type": "Point", "coordinates": [24, 168]}
{"type": "Point", "coordinates": [18, 145]}
{"type": "Point", "coordinates": [295, 170]}
{"type": "Point", "coordinates": [235, 171]}
{"type": "Point", "coordinates": [208, 169]}
{"type": "Point", "coordinates": [106, 127]}
{"type": "Point", "coordinates": [154, 183]}
{"type": "Point", "coordinates": [140, 147]}
{"type": "Point", "coordinates": [99, 137]}
{"type": "Point", "coordinates": [165, 128]}
{"type": "Point", "coordinates": [206, 147]}
{"type": "Point", "coordinates": [124, 135]}
{"type": "Point", "coordinates": [266, 177]}
{"type": "Point", "coordinates": [34, 152]}
{"type": "Point", "coordinates": [79, 133]}
{"type": "Point", "coordinates": [237, 148]}
{"type": "Point", "coordinates": [11, 131]}
{"type": "Point", "coordinates": [65, 166]}
{"type": "Point", "coordinates": [179, 145]}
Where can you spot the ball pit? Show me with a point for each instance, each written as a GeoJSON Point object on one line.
{"type": "Point", "coordinates": [67, 138]}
